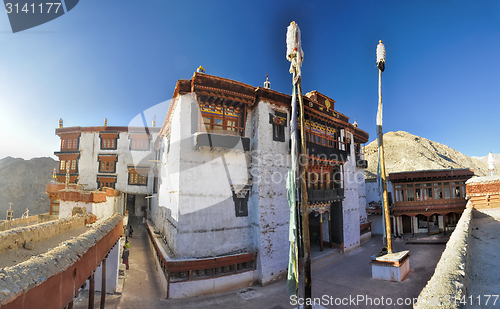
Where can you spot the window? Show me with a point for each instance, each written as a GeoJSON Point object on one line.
{"type": "Point", "coordinates": [418, 192]}
{"type": "Point", "coordinates": [71, 164]}
{"type": "Point", "coordinates": [109, 140]}
{"type": "Point", "coordinates": [399, 193]}
{"type": "Point", "coordinates": [139, 141]}
{"type": "Point", "coordinates": [138, 176]}
{"type": "Point", "coordinates": [438, 190]}
{"type": "Point", "coordinates": [106, 181]}
{"type": "Point", "coordinates": [107, 163]}
{"type": "Point", "coordinates": [455, 192]}
{"type": "Point", "coordinates": [222, 119]}
{"type": "Point", "coordinates": [409, 193]}
{"type": "Point", "coordinates": [69, 142]}
{"type": "Point", "coordinates": [108, 143]}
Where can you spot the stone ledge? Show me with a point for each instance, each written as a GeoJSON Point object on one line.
{"type": "Point", "coordinates": [19, 279]}
{"type": "Point", "coordinates": [449, 279]}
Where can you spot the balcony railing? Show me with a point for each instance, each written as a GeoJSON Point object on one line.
{"type": "Point", "coordinates": [327, 195]}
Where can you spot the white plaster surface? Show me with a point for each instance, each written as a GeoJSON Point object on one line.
{"type": "Point", "coordinates": [391, 273]}
{"type": "Point", "coordinates": [112, 267]}
{"type": "Point", "coordinates": [211, 286]}
{"type": "Point", "coordinates": [88, 163]}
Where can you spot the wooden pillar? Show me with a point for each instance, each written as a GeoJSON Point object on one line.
{"type": "Point", "coordinates": [428, 227]}
{"type": "Point", "coordinates": [396, 229]}
{"type": "Point", "coordinates": [70, 305]}
{"type": "Point", "coordinates": [444, 224]}
{"type": "Point", "coordinates": [320, 232]}
{"type": "Point", "coordinates": [413, 226]}
{"type": "Point", "coordinates": [91, 291]}
{"type": "Point", "coordinates": [330, 228]}
{"type": "Point", "coordinates": [103, 284]}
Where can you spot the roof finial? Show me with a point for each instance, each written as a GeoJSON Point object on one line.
{"type": "Point", "coordinates": [60, 123]}
{"type": "Point", "coordinates": [105, 122]}
{"type": "Point", "coordinates": [154, 121]}
{"type": "Point", "coordinates": [267, 83]}
{"type": "Point", "coordinates": [200, 69]}
{"type": "Point", "coordinates": [355, 124]}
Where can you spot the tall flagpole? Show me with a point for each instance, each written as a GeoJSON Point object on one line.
{"type": "Point", "coordinates": [381, 68]}
{"type": "Point", "coordinates": [295, 55]}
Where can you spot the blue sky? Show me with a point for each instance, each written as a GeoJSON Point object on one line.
{"type": "Point", "coordinates": [116, 59]}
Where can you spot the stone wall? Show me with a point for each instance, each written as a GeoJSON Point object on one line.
{"type": "Point", "coordinates": [15, 238]}
{"type": "Point", "coordinates": [449, 279]}
{"type": "Point", "coordinates": [8, 224]}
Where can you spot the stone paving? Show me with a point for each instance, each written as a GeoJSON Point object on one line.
{"type": "Point", "coordinates": [347, 278]}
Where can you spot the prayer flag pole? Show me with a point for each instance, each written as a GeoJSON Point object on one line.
{"type": "Point", "coordinates": [295, 55]}
{"type": "Point", "coordinates": [381, 68]}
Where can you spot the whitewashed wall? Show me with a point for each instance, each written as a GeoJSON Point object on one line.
{"type": "Point", "coordinates": [88, 164]}
{"type": "Point", "coordinates": [165, 206]}
{"type": "Point", "coordinates": [350, 205]}
{"type": "Point", "coordinates": [103, 210]}
{"type": "Point", "coordinates": [269, 199]}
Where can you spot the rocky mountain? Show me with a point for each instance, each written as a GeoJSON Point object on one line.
{"type": "Point", "coordinates": [408, 152]}
{"type": "Point", "coordinates": [23, 183]}
{"type": "Point", "coordinates": [496, 158]}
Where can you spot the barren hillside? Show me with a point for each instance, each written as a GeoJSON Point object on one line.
{"type": "Point", "coordinates": [408, 152]}
{"type": "Point", "coordinates": [23, 183]}
{"type": "Point", "coordinates": [496, 158]}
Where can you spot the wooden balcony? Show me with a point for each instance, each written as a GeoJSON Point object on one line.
{"type": "Point", "coordinates": [327, 195]}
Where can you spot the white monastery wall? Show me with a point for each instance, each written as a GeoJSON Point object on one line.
{"type": "Point", "coordinates": [165, 208]}
{"type": "Point", "coordinates": [350, 205]}
{"type": "Point", "coordinates": [208, 224]}
{"type": "Point", "coordinates": [269, 198]}
{"type": "Point", "coordinates": [88, 164]}
{"type": "Point", "coordinates": [103, 210]}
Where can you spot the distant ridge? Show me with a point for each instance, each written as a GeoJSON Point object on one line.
{"type": "Point", "coordinates": [408, 152]}
{"type": "Point", "coordinates": [23, 183]}
{"type": "Point", "coordinates": [496, 159]}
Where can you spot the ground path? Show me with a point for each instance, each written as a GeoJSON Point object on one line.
{"type": "Point", "coordinates": [346, 278]}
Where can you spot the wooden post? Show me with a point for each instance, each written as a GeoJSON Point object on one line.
{"type": "Point", "coordinates": [396, 228]}
{"type": "Point", "coordinates": [305, 216]}
{"type": "Point", "coordinates": [91, 291]}
{"type": "Point", "coordinates": [320, 232]}
{"type": "Point", "coordinates": [330, 228]}
{"type": "Point", "coordinates": [444, 224]}
{"type": "Point", "coordinates": [382, 169]}
{"type": "Point", "coordinates": [413, 227]}
{"type": "Point", "coordinates": [428, 227]}
{"type": "Point", "coordinates": [103, 284]}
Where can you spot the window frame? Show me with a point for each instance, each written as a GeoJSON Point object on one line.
{"type": "Point", "coordinates": [136, 178]}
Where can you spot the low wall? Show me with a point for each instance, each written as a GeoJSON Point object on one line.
{"type": "Point", "coordinates": [51, 280]}
{"type": "Point", "coordinates": [449, 280]}
{"type": "Point", "coordinates": [16, 237]}
{"type": "Point", "coordinates": [8, 224]}
{"type": "Point", "coordinates": [46, 218]}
